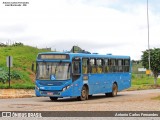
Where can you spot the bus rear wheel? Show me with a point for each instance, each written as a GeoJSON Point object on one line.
{"type": "Point", "coordinates": [114, 91]}
{"type": "Point", "coordinates": [53, 98]}
{"type": "Point", "coordinates": [84, 94]}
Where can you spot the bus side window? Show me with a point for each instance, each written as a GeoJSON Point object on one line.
{"type": "Point", "coordinates": [99, 65]}
{"type": "Point", "coordinates": [93, 66]}
{"type": "Point", "coordinates": [106, 67]}
{"type": "Point", "coordinates": [126, 65]}
{"type": "Point", "coordinates": [85, 66]}
{"type": "Point", "coordinates": [120, 65]}
{"type": "Point", "coordinates": [76, 67]}
{"type": "Point", "coordinates": [112, 65]}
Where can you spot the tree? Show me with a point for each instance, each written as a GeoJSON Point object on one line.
{"type": "Point", "coordinates": [154, 61]}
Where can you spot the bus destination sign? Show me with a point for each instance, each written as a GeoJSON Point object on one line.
{"type": "Point", "coordinates": [53, 56]}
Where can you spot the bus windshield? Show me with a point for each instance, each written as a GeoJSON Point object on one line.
{"type": "Point", "coordinates": [53, 71]}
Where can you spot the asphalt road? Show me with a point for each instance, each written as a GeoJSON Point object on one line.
{"type": "Point", "coordinates": [124, 101]}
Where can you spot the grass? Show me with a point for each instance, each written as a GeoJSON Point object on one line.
{"type": "Point", "coordinates": [156, 98]}
{"type": "Point", "coordinates": [18, 86]}
{"type": "Point", "coordinates": [142, 82]}
{"type": "Point", "coordinates": [26, 82]}
{"type": "Point", "coordinates": [23, 57]}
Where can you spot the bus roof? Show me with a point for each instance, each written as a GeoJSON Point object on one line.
{"type": "Point", "coordinates": [89, 55]}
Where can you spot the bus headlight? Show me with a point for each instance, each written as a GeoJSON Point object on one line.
{"type": "Point", "coordinates": [68, 87]}
{"type": "Point", "coordinates": [65, 88]}
{"type": "Point", "coordinates": [36, 87]}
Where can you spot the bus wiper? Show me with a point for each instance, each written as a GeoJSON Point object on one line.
{"type": "Point", "coordinates": [53, 75]}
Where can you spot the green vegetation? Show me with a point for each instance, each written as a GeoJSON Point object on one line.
{"type": "Point", "coordinates": [21, 74]}
{"type": "Point", "coordinates": [156, 98]}
{"type": "Point", "coordinates": [140, 80]}
{"type": "Point", "coordinates": [154, 61]}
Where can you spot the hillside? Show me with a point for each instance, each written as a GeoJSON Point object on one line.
{"type": "Point", "coordinates": [21, 74]}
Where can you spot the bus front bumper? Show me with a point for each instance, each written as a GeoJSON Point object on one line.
{"type": "Point", "coordinates": [66, 92]}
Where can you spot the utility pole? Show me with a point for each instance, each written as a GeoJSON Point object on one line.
{"type": "Point", "coordinates": [149, 56]}
{"type": "Point", "coordinates": [9, 65]}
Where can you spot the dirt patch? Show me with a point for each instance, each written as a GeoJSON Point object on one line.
{"type": "Point", "coordinates": [32, 75]}
{"type": "Point", "coordinates": [16, 93]}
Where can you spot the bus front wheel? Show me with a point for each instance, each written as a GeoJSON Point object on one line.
{"type": "Point", "coordinates": [84, 94]}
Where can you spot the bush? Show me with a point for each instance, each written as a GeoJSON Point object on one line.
{"type": "Point", "coordinates": [16, 75]}
{"type": "Point", "coordinates": [133, 76]}
{"type": "Point", "coordinates": [3, 76]}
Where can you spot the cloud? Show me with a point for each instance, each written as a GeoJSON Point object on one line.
{"type": "Point", "coordinates": [12, 29]}
{"type": "Point", "coordinates": [84, 44]}
{"type": "Point", "coordinates": [104, 26]}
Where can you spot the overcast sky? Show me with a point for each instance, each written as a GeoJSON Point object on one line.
{"type": "Point", "coordinates": [102, 26]}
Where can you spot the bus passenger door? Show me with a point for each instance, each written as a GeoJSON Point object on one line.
{"type": "Point", "coordinates": [85, 72]}
{"type": "Point", "coordinates": [89, 72]}
{"type": "Point", "coordinates": [76, 75]}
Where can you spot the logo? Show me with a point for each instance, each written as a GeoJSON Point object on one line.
{"type": "Point", "coordinates": [20, 114]}
{"type": "Point", "coordinates": [53, 77]}
{"type": "Point", "coordinates": [6, 114]}
{"type": "Point", "coordinates": [50, 84]}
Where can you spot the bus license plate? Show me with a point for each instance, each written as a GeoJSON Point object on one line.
{"type": "Point", "coordinates": [49, 93]}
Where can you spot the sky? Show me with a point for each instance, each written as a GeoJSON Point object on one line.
{"type": "Point", "coordinates": [118, 27]}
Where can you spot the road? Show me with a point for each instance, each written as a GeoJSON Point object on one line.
{"type": "Point", "coordinates": [124, 101]}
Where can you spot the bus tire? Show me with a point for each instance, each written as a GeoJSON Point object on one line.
{"type": "Point", "coordinates": [89, 96]}
{"type": "Point", "coordinates": [84, 94]}
{"type": "Point", "coordinates": [53, 98]}
{"type": "Point", "coordinates": [108, 94]}
{"type": "Point", "coordinates": [114, 90]}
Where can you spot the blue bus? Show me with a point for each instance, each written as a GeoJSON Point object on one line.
{"type": "Point", "coordinates": [60, 74]}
